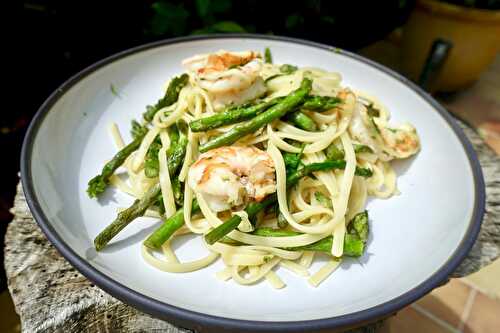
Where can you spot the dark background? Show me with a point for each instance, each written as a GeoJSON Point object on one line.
{"type": "Point", "coordinates": [59, 38]}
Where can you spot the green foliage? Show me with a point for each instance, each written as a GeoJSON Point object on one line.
{"type": "Point", "coordinates": [169, 18]}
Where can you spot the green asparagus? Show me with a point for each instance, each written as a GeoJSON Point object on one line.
{"type": "Point", "coordinates": [301, 120]}
{"type": "Point", "coordinates": [98, 184]}
{"type": "Point", "coordinates": [175, 158]}
{"type": "Point", "coordinates": [359, 226]}
{"type": "Point", "coordinates": [288, 69]}
{"type": "Point", "coordinates": [167, 229]}
{"type": "Point", "coordinates": [137, 129]}
{"type": "Point", "coordinates": [321, 103]}
{"type": "Point", "coordinates": [268, 58]}
{"type": "Point", "coordinates": [231, 115]}
{"type": "Point", "coordinates": [252, 210]}
{"type": "Point", "coordinates": [125, 217]}
{"type": "Point", "coordinates": [275, 112]}
{"type": "Point", "coordinates": [169, 98]}
{"type": "Point", "coordinates": [354, 241]}
{"type": "Point", "coordinates": [333, 152]}
{"type": "Point", "coordinates": [151, 162]}
{"type": "Point", "coordinates": [177, 190]}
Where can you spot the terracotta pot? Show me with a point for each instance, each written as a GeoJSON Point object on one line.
{"type": "Point", "coordinates": [474, 33]}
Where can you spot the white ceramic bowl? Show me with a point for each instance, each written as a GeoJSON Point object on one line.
{"type": "Point", "coordinates": [417, 238]}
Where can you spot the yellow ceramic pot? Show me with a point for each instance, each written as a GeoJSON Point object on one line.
{"type": "Point", "coordinates": [475, 35]}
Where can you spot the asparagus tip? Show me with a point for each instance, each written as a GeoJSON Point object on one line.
{"type": "Point", "coordinates": [96, 186]}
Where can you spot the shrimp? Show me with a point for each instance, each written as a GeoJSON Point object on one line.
{"type": "Point", "coordinates": [362, 130]}
{"type": "Point", "coordinates": [386, 142]}
{"type": "Point", "coordinates": [232, 176]}
{"type": "Point", "coordinates": [402, 141]}
{"type": "Point", "coordinates": [229, 77]}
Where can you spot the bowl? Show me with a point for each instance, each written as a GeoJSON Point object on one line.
{"type": "Point", "coordinates": [417, 238]}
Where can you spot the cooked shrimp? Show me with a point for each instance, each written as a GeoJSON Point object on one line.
{"type": "Point", "coordinates": [402, 141]}
{"type": "Point", "coordinates": [232, 176]}
{"type": "Point", "coordinates": [230, 77]}
{"type": "Point", "coordinates": [362, 130]}
{"type": "Point", "coordinates": [385, 141]}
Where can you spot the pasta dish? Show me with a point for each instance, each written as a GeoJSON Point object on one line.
{"type": "Point", "coordinates": [270, 164]}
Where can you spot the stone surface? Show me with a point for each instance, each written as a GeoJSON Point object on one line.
{"type": "Point", "coordinates": [51, 296]}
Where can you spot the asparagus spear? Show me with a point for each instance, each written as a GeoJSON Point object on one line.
{"type": "Point", "coordinates": [268, 58]}
{"type": "Point", "coordinates": [276, 111]}
{"type": "Point", "coordinates": [353, 246]}
{"type": "Point", "coordinates": [151, 162]}
{"type": "Point", "coordinates": [167, 229]}
{"type": "Point", "coordinates": [334, 153]}
{"type": "Point", "coordinates": [177, 189]}
{"type": "Point", "coordinates": [292, 161]}
{"type": "Point", "coordinates": [125, 217]}
{"type": "Point", "coordinates": [321, 103]}
{"type": "Point", "coordinates": [170, 97]}
{"type": "Point", "coordinates": [326, 165]}
{"type": "Point", "coordinates": [359, 226]}
{"type": "Point", "coordinates": [337, 153]}
{"type": "Point", "coordinates": [252, 210]}
{"type": "Point", "coordinates": [176, 152]}
{"type": "Point", "coordinates": [137, 129]}
{"type": "Point", "coordinates": [231, 115]}
{"type": "Point", "coordinates": [98, 184]}
{"type": "Point", "coordinates": [288, 69]}
{"type": "Point", "coordinates": [140, 205]}
{"type": "Point", "coordinates": [236, 114]}
{"type": "Point", "coordinates": [301, 120]}
{"type": "Point", "coordinates": [354, 240]}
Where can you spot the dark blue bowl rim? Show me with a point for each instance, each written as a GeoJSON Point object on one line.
{"type": "Point", "coordinates": [196, 320]}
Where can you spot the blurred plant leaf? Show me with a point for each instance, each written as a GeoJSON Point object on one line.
{"type": "Point", "coordinates": [220, 6]}
{"type": "Point", "coordinates": [228, 26]}
{"type": "Point", "coordinates": [202, 7]}
{"type": "Point", "coordinates": [328, 19]}
{"type": "Point", "coordinates": [220, 27]}
{"type": "Point", "coordinates": [168, 18]}
{"type": "Point", "coordinates": [293, 21]}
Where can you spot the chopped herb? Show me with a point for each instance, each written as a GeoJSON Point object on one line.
{"type": "Point", "coordinates": [114, 91]}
